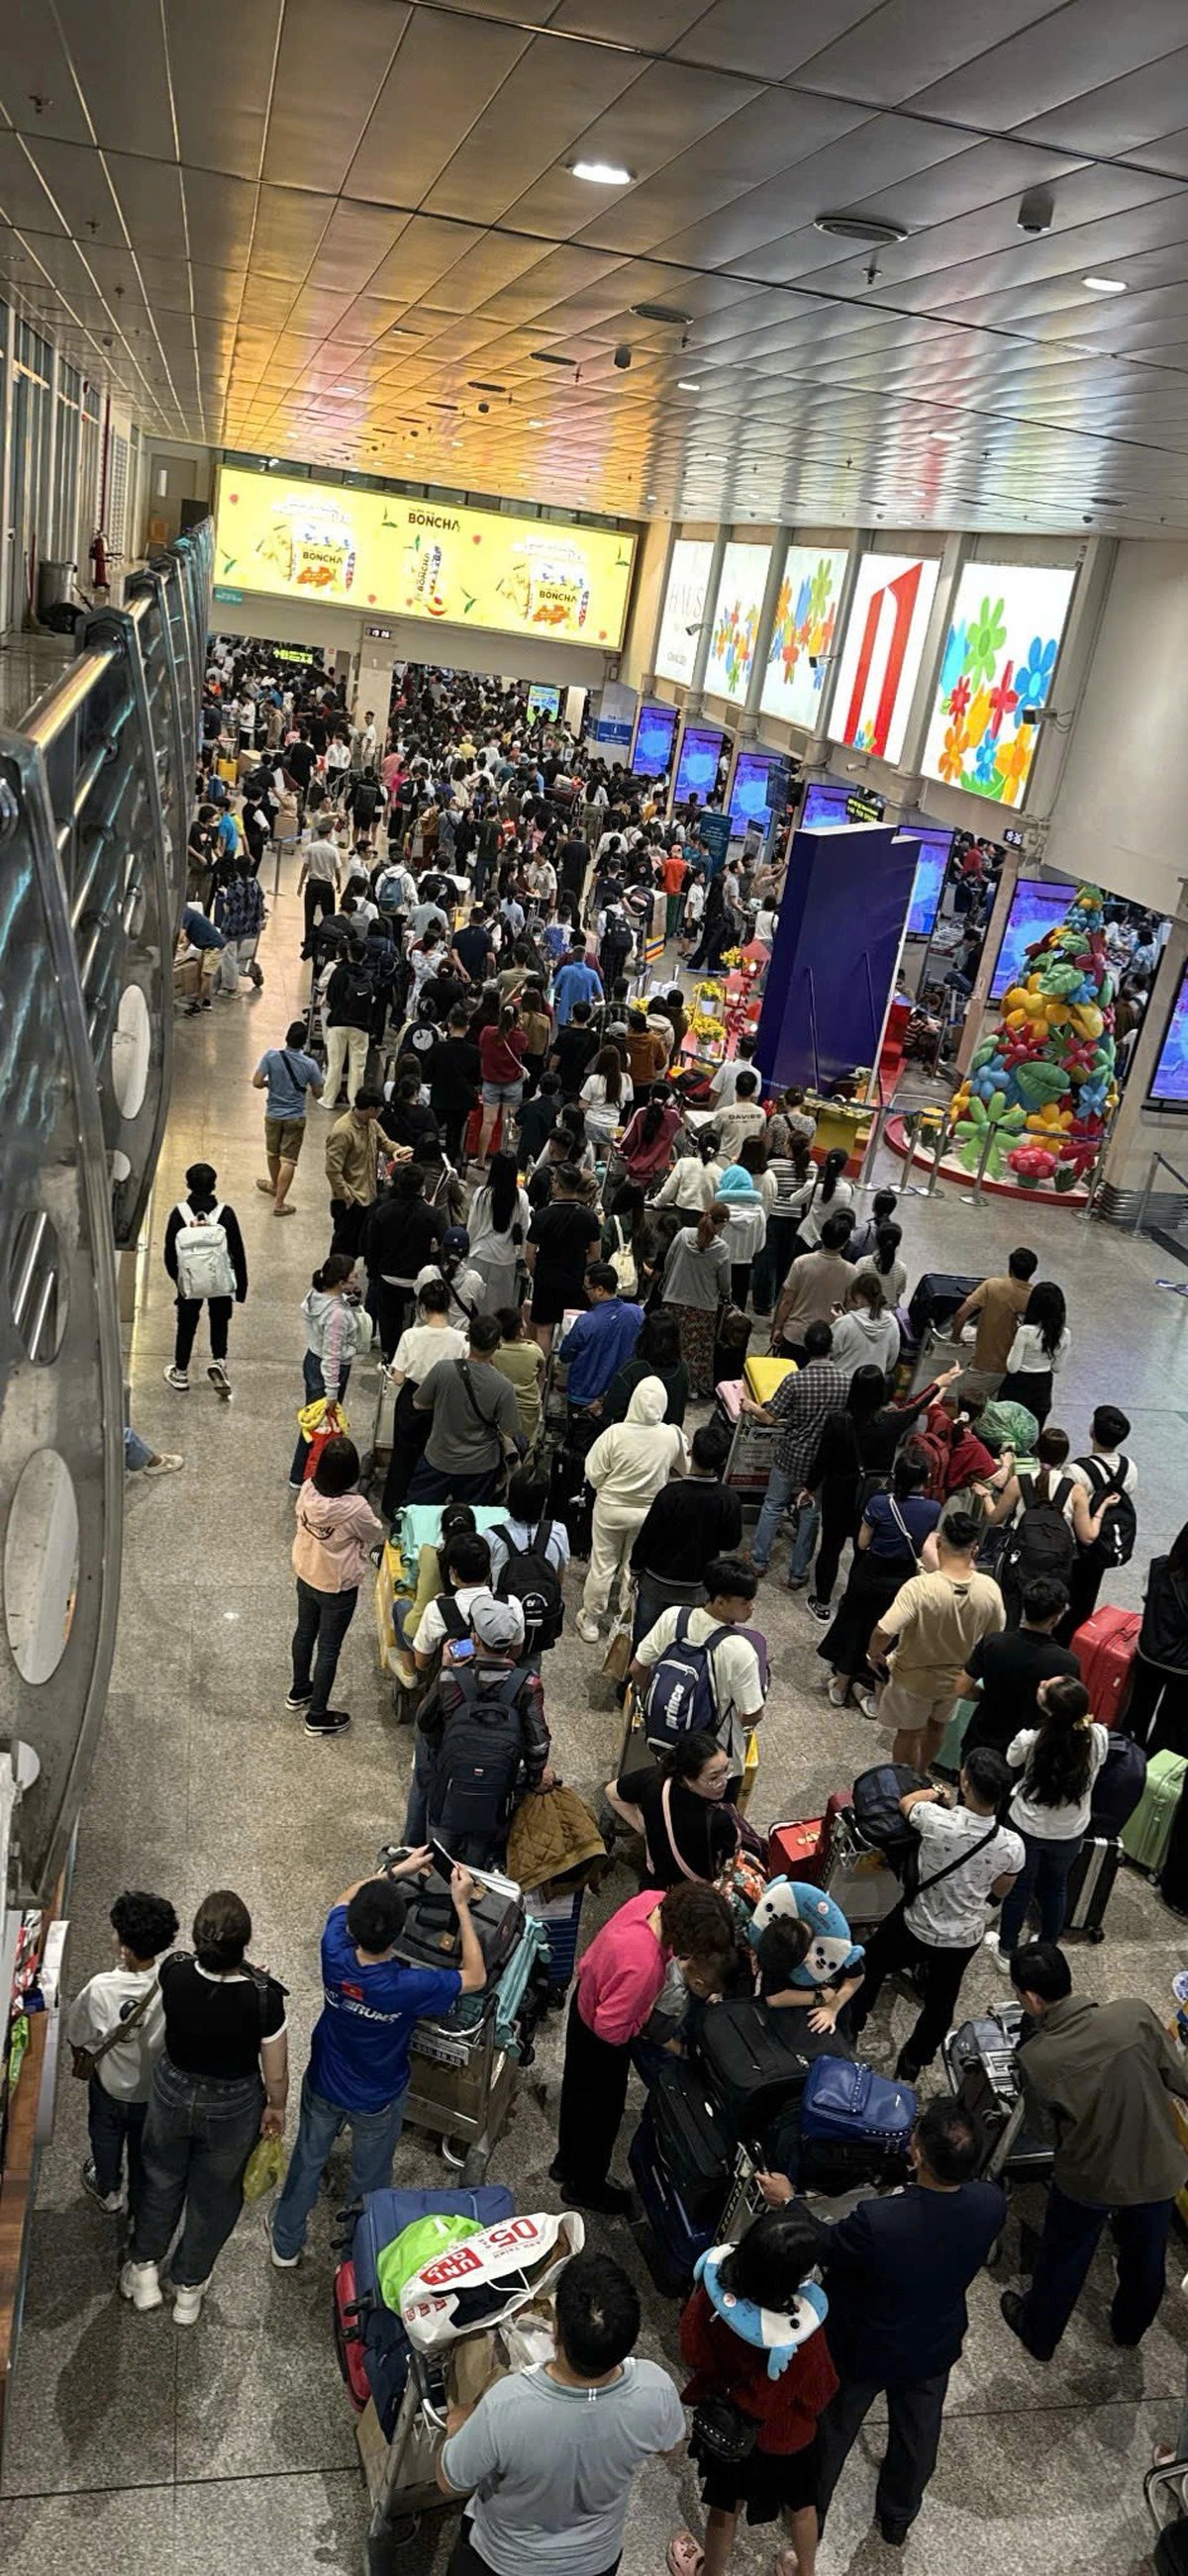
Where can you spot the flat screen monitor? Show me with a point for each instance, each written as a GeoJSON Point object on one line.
{"type": "Point", "coordinates": [697, 768]}
{"type": "Point", "coordinates": [824, 803]}
{"type": "Point", "coordinates": [935, 849]}
{"type": "Point", "coordinates": [654, 737]}
{"type": "Point", "coordinates": [543, 701]}
{"type": "Point", "coordinates": [748, 788]}
{"type": "Point", "coordinates": [1039, 905]}
{"type": "Point", "coordinates": [1169, 1082]}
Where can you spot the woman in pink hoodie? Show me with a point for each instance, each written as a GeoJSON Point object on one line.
{"type": "Point", "coordinates": [336, 1529]}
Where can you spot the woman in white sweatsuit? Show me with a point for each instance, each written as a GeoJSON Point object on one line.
{"type": "Point", "coordinates": [627, 1467]}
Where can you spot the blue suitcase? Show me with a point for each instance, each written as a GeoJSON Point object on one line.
{"type": "Point", "coordinates": [381, 2218]}
{"type": "Point", "coordinates": [673, 2241]}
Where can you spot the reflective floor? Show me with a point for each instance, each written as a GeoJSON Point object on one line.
{"type": "Point", "coordinates": [134, 2445]}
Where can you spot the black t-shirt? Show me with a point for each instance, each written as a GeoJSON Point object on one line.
{"type": "Point", "coordinates": [444, 993]}
{"type": "Point", "coordinates": [214, 2025]}
{"type": "Point", "coordinates": [690, 1522]}
{"type": "Point", "coordinates": [706, 1836]}
{"type": "Point", "coordinates": [474, 945]}
{"type": "Point", "coordinates": [564, 1233]}
{"type": "Point", "coordinates": [1008, 1666]}
{"type": "Point", "coordinates": [452, 1070]}
{"type": "Point", "coordinates": [573, 1047]}
{"type": "Point", "coordinates": [299, 761]}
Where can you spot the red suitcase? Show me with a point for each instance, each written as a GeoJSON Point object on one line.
{"type": "Point", "coordinates": [1104, 1648]}
{"type": "Point", "coordinates": [348, 2341]}
{"type": "Point", "coordinates": [797, 1850]}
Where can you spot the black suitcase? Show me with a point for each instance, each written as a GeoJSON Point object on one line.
{"type": "Point", "coordinates": [936, 1298]}
{"type": "Point", "coordinates": [693, 2139]}
{"type": "Point", "coordinates": [1091, 1885]}
{"type": "Point", "coordinates": [981, 2063]}
{"type": "Point", "coordinates": [431, 1938]}
{"type": "Point", "coordinates": [674, 2237]}
{"type": "Point", "coordinates": [757, 2060]}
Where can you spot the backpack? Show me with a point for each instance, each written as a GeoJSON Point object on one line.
{"type": "Point", "coordinates": [479, 1759]}
{"type": "Point", "coordinates": [1040, 1541]}
{"type": "Point", "coordinates": [357, 995]}
{"type": "Point", "coordinates": [1114, 1543]}
{"type": "Point", "coordinates": [936, 1451]}
{"type": "Point", "coordinates": [530, 1577]}
{"type": "Point", "coordinates": [366, 804]}
{"type": "Point", "coordinates": [680, 1698]}
{"type": "Point", "coordinates": [390, 890]}
{"type": "Point", "coordinates": [622, 1261]}
{"type": "Point", "coordinates": [203, 1260]}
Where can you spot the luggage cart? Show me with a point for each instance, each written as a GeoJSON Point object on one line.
{"type": "Point", "coordinates": [981, 2063]}
{"type": "Point", "coordinates": [462, 2082]}
{"type": "Point", "coordinates": [402, 2474]}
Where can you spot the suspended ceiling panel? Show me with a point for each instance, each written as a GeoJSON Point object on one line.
{"type": "Point", "coordinates": [330, 229]}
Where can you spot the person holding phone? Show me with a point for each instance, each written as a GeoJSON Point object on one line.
{"type": "Point", "coordinates": [358, 2073]}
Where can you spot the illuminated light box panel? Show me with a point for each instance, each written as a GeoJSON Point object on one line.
{"type": "Point", "coordinates": [684, 608]}
{"type": "Point", "coordinates": [996, 672]}
{"type": "Point", "coordinates": [882, 651]}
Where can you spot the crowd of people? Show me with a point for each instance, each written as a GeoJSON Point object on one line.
{"type": "Point", "coordinates": [560, 1237]}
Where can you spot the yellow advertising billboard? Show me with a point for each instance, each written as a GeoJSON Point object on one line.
{"type": "Point", "coordinates": [459, 567]}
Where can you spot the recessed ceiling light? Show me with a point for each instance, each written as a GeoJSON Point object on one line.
{"type": "Point", "coordinates": [536, 424]}
{"type": "Point", "coordinates": [1105, 501]}
{"type": "Point", "coordinates": [551, 358]}
{"type": "Point", "coordinates": [947, 435]}
{"type": "Point", "coordinates": [1105, 285]}
{"type": "Point", "coordinates": [860, 228]}
{"type": "Point", "coordinates": [601, 174]}
{"type": "Point", "coordinates": [686, 385]}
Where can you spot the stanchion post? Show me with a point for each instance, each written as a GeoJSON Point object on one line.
{"type": "Point", "coordinates": [942, 1141]}
{"type": "Point", "coordinates": [983, 1159]}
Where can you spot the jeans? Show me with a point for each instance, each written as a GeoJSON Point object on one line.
{"type": "Point", "coordinates": [188, 1311]}
{"type": "Point", "coordinates": [136, 1451]}
{"type": "Point", "coordinates": [913, 2435]}
{"type": "Point", "coordinates": [442, 1485]}
{"type": "Point", "coordinates": [804, 1542]}
{"type": "Point", "coordinates": [654, 1594]}
{"type": "Point", "coordinates": [373, 2145]}
{"type": "Point", "coordinates": [894, 1945]}
{"type": "Point", "coordinates": [314, 1387]}
{"type": "Point", "coordinates": [1066, 2250]}
{"type": "Point", "coordinates": [1044, 1876]}
{"type": "Point", "coordinates": [113, 2125]}
{"type": "Point", "coordinates": [197, 2139]}
{"type": "Point", "coordinates": [782, 1484]}
{"type": "Point", "coordinates": [322, 1621]}
{"type": "Point", "coordinates": [771, 1263]}
{"type": "Point", "coordinates": [320, 898]}
{"type": "Point", "coordinates": [346, 1219]}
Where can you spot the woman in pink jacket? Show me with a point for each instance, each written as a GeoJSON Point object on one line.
{"type": "Point", "coordinates": [619, 1981]}
{"type": "Point", "coordinates": [336, 1529]}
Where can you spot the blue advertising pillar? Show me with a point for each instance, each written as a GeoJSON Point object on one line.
{"type": "Point", "coordinates": [829, 983]}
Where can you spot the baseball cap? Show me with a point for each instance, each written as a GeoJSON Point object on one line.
{"type": "Point", "coordinates": [455, 1239]}
{"type": "Point", "coordinates": [497, 1624]}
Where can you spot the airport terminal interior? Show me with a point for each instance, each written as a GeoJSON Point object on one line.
{"type": "Point", "coordinates": [592, 620]}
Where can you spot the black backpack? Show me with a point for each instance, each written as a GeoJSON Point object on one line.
{"type": "Point", "coordinates": [530, 1577]}
{"type": "Point", "coordinates": [1040, 1540]}
{"type": "Point", "coordinates": [357, 993]}
{"type": "Point", "coordinates": [478, 1762]}
{"type": "Point", "coordinates": [1114, 1543]}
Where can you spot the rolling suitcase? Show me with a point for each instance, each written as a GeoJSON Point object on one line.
{"type": "Point", "coordinates": [756, 2061]}
{"type": "Point", "coordinates": [1146, 1834]}
{"type": "Point", "coordinates": [798, 1850]}
{"type": "Point", "coordinates": [980, 2059]}
{"type": "Point", "coordinates": [1091, 1885]}
{"type": "Point", "coordinates": [694, 2138]}
{"type": "Point", "coordinates": [370, 2330]}
{"type": "Point", "coordinates": [935, 1299]}
{"type": "Point", "coordinates": [1104, 1648]}
{"type": "Point", "coordinates": [1173, 1877]}
{"type": "Point", "coordinates": [560, 1918]}
{"type": "Point", "coordinates": [674, 2238]}
{"type": "Point", "coordinates": [948, 1760]}
{"type": "Point", "coordinates": [1118, 1787]}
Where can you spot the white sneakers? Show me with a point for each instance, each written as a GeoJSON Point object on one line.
{"type": "Point", "coordinates": [166, 1463]}
{"type": "Point", "coordinates": [588, 1628]}
{"type": "Point", "coordinates": [176, 1378]}
{"type": "Point", "coordinates": [141, 2283]}
{"type": "Point", "coordinates": [217, 1373]}
{"type": "Point", "coordinates": [991, 1941]}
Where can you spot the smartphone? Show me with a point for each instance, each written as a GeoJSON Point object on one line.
{"type": "Point", "coordinates": [442, 1860]}
{"type": "Point", "coordinates": [461, 1650]}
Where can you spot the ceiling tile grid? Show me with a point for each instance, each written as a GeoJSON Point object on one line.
{"type": "Point", "coordinates": [371, 226]}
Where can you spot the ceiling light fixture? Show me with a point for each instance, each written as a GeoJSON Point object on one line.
{"type": "Point", "coordinates": [1105, 285]}
{"type": "Point", "coordinates": [860, 228]}
{"type": "Point", "coordinates": [686, 385]}
{"type": "Point", "coordinates": [536, 424]}
{"type": "Point", "coordinates": [662, 313]}
{"type": "Point", "coordinates": [601, 174]}
{"type": "Point", "coordinates": [945, 435]}
{"type": "Point", "coordinates": [551, 358]}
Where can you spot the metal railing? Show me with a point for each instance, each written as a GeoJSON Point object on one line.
{"type": "Point", "coordinates": [1158, 1163]}
{"type": "Point", "coordinates": [94, 794]}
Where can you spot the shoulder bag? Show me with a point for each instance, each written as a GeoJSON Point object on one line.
{"type": "Point", "coordinates": [85, 2060]}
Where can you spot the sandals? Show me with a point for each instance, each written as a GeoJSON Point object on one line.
{"type": "Point", "coordinates": [684, 2555]}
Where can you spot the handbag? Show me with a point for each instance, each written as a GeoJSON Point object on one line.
{"type": "Point", "coordinates": [85, 2060]}
{"type": "Point", "coordinates": [722, 2433]}
{"type": "Point", "coordinates": [616, 1663]}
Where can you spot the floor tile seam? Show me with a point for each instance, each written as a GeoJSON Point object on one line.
{"type": "Point", "coordinates": [175, 2485]}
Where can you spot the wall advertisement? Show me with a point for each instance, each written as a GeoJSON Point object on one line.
{"type": "Point", "coordinates": [996, 673]}
{"type": "Point", "coordinates": [798, 656]}
{"type": "Point", "coordinates": [684, 608]}
{"type": "Point", "coordinates": [451, 566]}
{"type": "Point", "coordinates": [737, 612]}
{"type": "Point", "coordinates": [882, 651]}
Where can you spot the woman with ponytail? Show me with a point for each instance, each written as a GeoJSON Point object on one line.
{"type": "Point", "coordinates": [502, 1048]}
{"type": "Point", "coordinates": [696, 1283]}
{"type": "Point", "coordinates": [646, 1145]}
{"type": "Point", "coordinates": [1060, 1760]}
{"type": "Point", "coordinates": [499, 1220]}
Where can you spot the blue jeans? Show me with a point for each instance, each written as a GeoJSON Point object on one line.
{"type": "Point", "coordinates": [314, 1387]}
{"type": "Point", "coordinates": [112, 2126]}
{"type": "Point", "coordinates": [373, 2144]}
{"type": "Point", "coordinates": [782, 1485]}
{"type": "Point", "coordinates": [136, 1451]}
{"type": "Point", "coordinates": [1044, 1876]}
{"type": "Point", "coordinates": [197, 2139]}
{"type": "Point", "coordinates": [804, 1542]}
{"type": "Point", "coordinates": [1066, 2250]}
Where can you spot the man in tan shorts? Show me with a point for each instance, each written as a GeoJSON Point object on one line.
{"type": "Point", "coordinates": [287, 1074]}
{"type": "Point", "coordinates": [933, 1624]}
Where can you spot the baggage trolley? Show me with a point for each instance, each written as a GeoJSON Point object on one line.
{"type": "Point", "coordinates": [402, 2474]}
{"type": "Point", "coordinates": [248, 963]}
{"type": "Point", "coordinates": [462, 2082]}
{"type": "Point", "coordinates": [981, 2063]}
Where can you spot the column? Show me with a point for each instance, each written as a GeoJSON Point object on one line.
{"type": "Point", "coordinates": [971, 1034]}
{"type": "Point", "coordinates": [695, 700]}
{"type": "Point", "coordinates": [749, 721]}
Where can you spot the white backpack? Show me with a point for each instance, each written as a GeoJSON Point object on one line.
{"type": "Point", "coordinates": [203, 1261]}
{"type": "Point", "coordinates": [622, 1261]}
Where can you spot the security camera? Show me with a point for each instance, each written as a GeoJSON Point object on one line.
{"type": "Point", "coordinates": [622, 355]}
{"type": "Point", "coordinates": [1037, 207]}
{"type": "Point", "coordinates": [484, 406]}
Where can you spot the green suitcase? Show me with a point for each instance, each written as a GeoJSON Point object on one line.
{"type": "Point", "coordinates": [948, 1760]}
{"type": "Point", "coordinates": [1146, 1834]}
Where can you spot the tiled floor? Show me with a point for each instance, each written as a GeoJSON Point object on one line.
{"type": "Point", "coordinates": [179, 2454]}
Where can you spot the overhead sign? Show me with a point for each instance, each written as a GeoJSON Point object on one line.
{"type": "Point", "coordinates": [378, 634]}
{"type": "Point", "coordinates": [450, 566]}
{"type": "Point", "coordinates": [865, 805]}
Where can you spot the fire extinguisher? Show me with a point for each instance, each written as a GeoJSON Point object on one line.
{"type": "Point", "coordinates": [98, 561]}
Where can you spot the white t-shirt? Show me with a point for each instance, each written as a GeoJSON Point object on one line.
{"type": "Point", "coordinates": [1027, 1356]}
{"type": "Point", "coordinates": [1053, 1824]}
{"type": "Point", "coordinates": [953, 1916]}
{"type": "Point", "coordinates": [431, 1628]}
{"type": "Point", "coordinates": [126, 2071]}
{"type": "Point", "coordinates": [734, 1666]}
{"type": "Point", "coordinates": [422, 1344]}
{"type": "Point", "coordinates": [1111, 1460]}
{"type": "Point", "coordinates": [815, 1211]}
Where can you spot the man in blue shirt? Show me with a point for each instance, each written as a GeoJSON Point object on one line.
{"type": "Point", "coordinates": [602, 1340]}
{"type": "Point", "coordinates": [357, 2075]}
{"type": "Point", "coordinates": [288, 1074]}
{"type": "Point", "coordinates": [576, 982]}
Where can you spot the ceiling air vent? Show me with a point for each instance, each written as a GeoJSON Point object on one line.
{"type": "Point", "coordinates": [478, 387]}
{"type": "Point", "coordinates": [662, 313]}
{"type": "Point", "coordinates": [860, 228]}
{"type": "Point", "coordinates": [551, 358]}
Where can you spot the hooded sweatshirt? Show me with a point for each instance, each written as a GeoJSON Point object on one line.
{"type": "Point", "coordinates": [334, 1532]}
{"type": "Point", "coordinates": [334, 1330]}
{"type": "Point", "coordinates": [629, 1463]}
{"type": "Point", "coordinates": [747, 1230]}
{"type": "Point", "coordinates": [862, 1340]}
